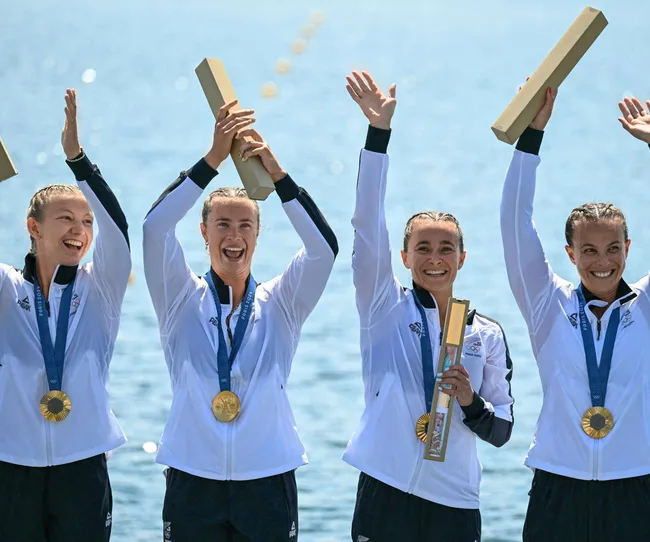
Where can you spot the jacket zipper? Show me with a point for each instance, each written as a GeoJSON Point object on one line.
{"type": "Point", "coordinates": [598, 330]}
{"type": "Point", "coordinates": [420, 460]}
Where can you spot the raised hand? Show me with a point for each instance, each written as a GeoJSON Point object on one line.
{"type": "Point", "coordinates": [635, 118]}
{"type": "Point", "coordinates": [70, 133]}
{"type": "Point", "coordinates": [259, 147]}
{"type": "Point", "coordinates": [543, 116]}
{"type": "Point", "coordinates": [377, 108]}
{"type": "Point", "coordinates": [226, 128]}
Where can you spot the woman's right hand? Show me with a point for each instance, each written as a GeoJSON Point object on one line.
{"type": "Point", "coordinates": [377, 108]}
{"type": "Point", "coordinates": [635, 119]}
{"type": "Point", "coordinates": [543, 116]}
{"type": "Point", "coordinates": [226, 128]}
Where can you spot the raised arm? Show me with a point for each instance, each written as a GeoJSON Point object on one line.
{"type": "Point", "coordinates": [374, 281]}
{"type": "Point", "coordinates": [168, 276]}
{"type": "Point", "coordinates": [299, 287]}
{"type": "Point", "coordinates": [531, 278]}
{"type": "Point", "coordinates": [111, 262]}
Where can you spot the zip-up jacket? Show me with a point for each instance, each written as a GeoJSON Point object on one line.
{"type": "Point", "coordinates": [26, 437]}
{"type": "Point", "coordinates": [549, 305]}
{"type": "Point", "coordinates": [385, 445]}
{"type": "Point", "coordinates": [263, 440]}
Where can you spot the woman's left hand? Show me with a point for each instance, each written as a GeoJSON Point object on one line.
{"type": "Point", "coordinates": [259, 147]}
{"type": "Point", "coordinates": [70, 134]}
{"type": "Point", "coordinates": [457, 377]}
{"type": "Point", "coordinates": [635, 119]}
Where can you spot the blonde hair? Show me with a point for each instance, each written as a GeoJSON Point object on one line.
{"type": "Point", "coordinates": [43, 197]}
{"type": "Point", "coordinates": [227, 192]}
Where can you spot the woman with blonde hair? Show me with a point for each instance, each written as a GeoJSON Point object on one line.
{"type": "Point", "coordinates": [58, 324]}
{"type": "Point", "coordinates": [231, 442]}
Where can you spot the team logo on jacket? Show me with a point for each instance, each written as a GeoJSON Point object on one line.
{"type": "Point", "coordinates": [293, 532]}
{"type": "Point", "coordinates": [573, 318]}
{"type": "Point", "coordinates": [473, 349]}
{"type": "Point", "coordinates": [167, 531]}
{"type": "Point", "coordinates": [627, 319]}
{"type": "Point", "coordinates": [74, 304]}
{"type": "Point", "coordinates": [416, 327]}
{"type": "Point", "coordinates": [109, 520]}
{"type": "Point", "coordinates": [24, 303]}
{"type": "Point", "coordinates": [214, 321]}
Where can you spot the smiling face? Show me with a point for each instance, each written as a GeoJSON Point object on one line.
{"type": "Point", "coordinates": [434, 254]}
{"type": "Point", "coordinates": [61, 226]}
{"type": "Point", "coordinates": [599, 249]}
{"type": "Point", "coordinates": [230, 231]}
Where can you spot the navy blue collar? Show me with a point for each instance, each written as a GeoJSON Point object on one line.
{"type": "Point", "coordinates": [223, 290]}
{"type": "Point", "coordinates": [428, 302]}
{"type": "Point", "coordinates": [64, 274]}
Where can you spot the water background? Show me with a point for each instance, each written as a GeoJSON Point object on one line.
{"type": "Point", "coordinates": [144, 118]}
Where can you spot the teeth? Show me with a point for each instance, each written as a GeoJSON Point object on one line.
{"type": "Point", "coordinates": [73, 243]}
{"type": "Point", "coordinates": [603, 274]}
{"type": "Point", "coordinates": [435, 273]}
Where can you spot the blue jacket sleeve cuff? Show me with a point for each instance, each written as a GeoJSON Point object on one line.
{"type": "Point", "coordinates": [530, 141]}
{"type": "Point", "coordinates": [201, 173]}
{"type": "Point", "coordinates": [287, 189]}
{"type": "Point", "coordinates": [81, 166]}
{"type": "Point", "coordinates": [475, 408]}
{"type": "Point", "coordinates": [377, 140]}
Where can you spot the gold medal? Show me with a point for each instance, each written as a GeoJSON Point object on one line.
{"type": "Point", "coordinates": [55, 406]}
{"type": "Point", "coordinates": [422, 427]}
{"type": "Point", "coordinates": [226, 406]}
{"type": "Point", "coordinates": [597, 422]}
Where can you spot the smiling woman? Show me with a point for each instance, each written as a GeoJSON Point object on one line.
{"type": "Point", "coordinates": [57, 422]}
{"type": "Point", "coordinates": [229, 344]}
{"type": "Point", "coordinates": [400, 496]}
{"type": "Point", "coordinates": [591, 449]}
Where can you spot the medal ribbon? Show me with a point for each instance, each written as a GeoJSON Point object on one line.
{"type": "Point", "coordinates": [598, 375]}
{"type": "Point", "coordinates": [224, 362]}
{"type": "Point", "coordinates": [428, 376]}
{"type": "Point", "coordinates": [53, 354]}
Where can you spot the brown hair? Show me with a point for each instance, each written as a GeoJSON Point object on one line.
{"type": "Point", "coordinates": [593, 212]}
{"type": "Point", "coordinates": [436, 216]}
{"type": "Point", "coordinates": [43, 197]}
{"type": "Point", "coordinates": [227, 192]}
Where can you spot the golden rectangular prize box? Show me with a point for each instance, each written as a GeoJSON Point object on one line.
{"type": "Point", "coordinates": [523, 108]}
{"type": "Point", "coordinates": [7, 167]}
{"type": "Point", "coordinates": [219, 91]}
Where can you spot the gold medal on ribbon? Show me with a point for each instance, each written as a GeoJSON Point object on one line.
{"type": "Point", "coordinates": [597, 422]}
{"type": "Point", "coordinates": [226, 406]}
{"type": "Point", "coordinates": [55, 406]}
{"type": "Point", "coordinates": [422, 427]}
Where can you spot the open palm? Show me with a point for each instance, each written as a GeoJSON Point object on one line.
{"type": "Point", "coordinates": [377, 107]}
{"type": "Point", "coordinates": [636, 119]}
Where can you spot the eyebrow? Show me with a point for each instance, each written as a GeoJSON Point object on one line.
{"type": "Point", "coordinates": [221, 219]}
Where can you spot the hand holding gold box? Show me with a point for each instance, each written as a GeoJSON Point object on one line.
{"type": "Point", "coordinates": [521, 111]}
{"type": "Point", "coordinates": [451, 349]}
{"type": "Point", "coordinates": [219, 91]}
{"type": "Point", "coordinates": [7, 168]}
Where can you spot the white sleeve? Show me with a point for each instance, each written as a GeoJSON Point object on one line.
{"type": "Point", "coordinates": [4, 271]}
{"type": "Point", "coordinates": [111, 262]}
{"type": "Point", "coordinates": [301, 285]}
{"type": "Point", "coordinates": [531, 279]}
{"type": "Point", "coordinates": [490, 415]}
{"type": "Point", "coordinates": [168, 276]}
{"type": "Point", "coordinates": [375, 284]}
